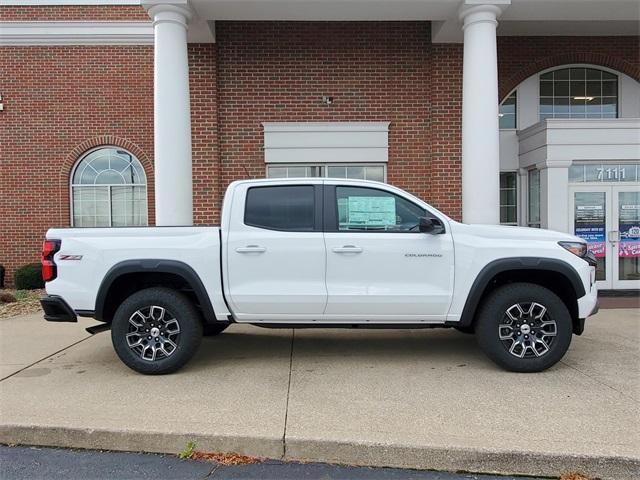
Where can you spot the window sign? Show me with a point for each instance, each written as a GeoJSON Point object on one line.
{"type": "Point", "coordinates": [629, 218]}
{"type": "Point", "coordinates": [369, 209]}
{"type": "Point", "coordinates": [606, 172]}
{"type": "Point", "coordinates": [371, 212]}
{"type": "Point", "coordinates": [590, 221]}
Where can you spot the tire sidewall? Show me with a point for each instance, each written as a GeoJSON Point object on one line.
{"type": "Point", "coordinates": [175, 303]}
{"type": "Point", "coordinates": [493, 311]}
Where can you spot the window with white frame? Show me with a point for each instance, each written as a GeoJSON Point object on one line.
{"type": "Point", "coordinates": [578, 92]}
{"type": "Point", "coordinates": [508, 115]}
{"type": "Point", "coordinates": [533, 198]}
{"type": "Point", "coordinates": [355, 150]}
{"type": "Point", "coordinates": [335, 170]}
{"type": "Point", "coordinates": [509, 198]}
{"type": "Point", "coordinates": [108, 189]}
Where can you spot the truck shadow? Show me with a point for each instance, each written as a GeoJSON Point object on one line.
{"type": "Point", "coordinates": [247, 342]}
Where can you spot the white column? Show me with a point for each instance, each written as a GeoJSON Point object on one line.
{"type": "Point", "coordinates": [172, 113]}
{"type": "Point", "coordinates": [480, 132]}
{"type": "Point", "coordinates": [554, 195]}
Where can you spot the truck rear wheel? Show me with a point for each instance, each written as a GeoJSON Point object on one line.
{"type": "Point", "coordinates": [156, 331]}
{"type": "Point", "coordinates": [524, 327]}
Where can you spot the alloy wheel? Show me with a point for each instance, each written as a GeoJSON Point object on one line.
{"type": "Point", "coordinates": [154, 333]}
{"type": "Point", "coordinates": [527, 330]}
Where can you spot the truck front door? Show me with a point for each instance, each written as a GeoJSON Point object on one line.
{"type": "Point", "coordinates": [380, 267]}
{"type": "Point", "coordinates": [275, 253]}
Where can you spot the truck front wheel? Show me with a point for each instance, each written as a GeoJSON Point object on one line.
{"type": "Point", "coordinates": [524, 327]}
{"type": "Point", "coordinates": [156, 331]}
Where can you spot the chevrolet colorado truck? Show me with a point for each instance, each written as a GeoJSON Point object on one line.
{"type": "Point", "coordinates": [322, 252]}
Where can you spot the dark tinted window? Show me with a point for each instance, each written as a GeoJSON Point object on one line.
{"type": "Point", "coordinates": [281, 208]}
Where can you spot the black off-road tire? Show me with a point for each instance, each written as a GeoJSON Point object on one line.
{"type": "Point", "coordinates": [493, 312]}
{"type": "Point", "coordinates": [213, 329]}
{"type": "Point", "coordinates": [175, 305]}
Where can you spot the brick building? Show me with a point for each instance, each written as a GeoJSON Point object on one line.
{"type": "Point", "coordinates": [492, 111]}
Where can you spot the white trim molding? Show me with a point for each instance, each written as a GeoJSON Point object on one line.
{"type": "Point", "coordinates": [326, 142]}
{"type": "Point", "coordinates": [556, 140]}
{"type": "Point", "coordinates": [76, 33]}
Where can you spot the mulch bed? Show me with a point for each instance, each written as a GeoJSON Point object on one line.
{"type": "Point", "coordinates": [27, 301]}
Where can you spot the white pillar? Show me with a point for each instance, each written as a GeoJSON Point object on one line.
{"type": "Point", "coordinates": [554, 195]}
{"type": "Point", "coordinates": [480, 131]}
{"type": "Point", "coordinates": [172, 113]}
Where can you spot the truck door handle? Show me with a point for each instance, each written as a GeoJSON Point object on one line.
{"type": "Point", "coordinates": [251, 249]}
{"type": "Point", "coordinates": [348, 249]}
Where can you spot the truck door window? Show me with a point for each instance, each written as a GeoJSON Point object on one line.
{"type": "Point", "coordinates": [369, 209]}
{"type": "Point", "coordinates": [284, 207]}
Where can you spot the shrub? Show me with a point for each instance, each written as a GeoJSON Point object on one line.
{"type": "Point", "coordinates": [29, 277]}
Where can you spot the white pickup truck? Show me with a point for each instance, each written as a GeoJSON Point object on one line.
{"type": "Point", "coordinates": [318, 253]}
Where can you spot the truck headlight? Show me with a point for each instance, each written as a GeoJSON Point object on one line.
{"type": "Point", "coordinates": [577, 248]}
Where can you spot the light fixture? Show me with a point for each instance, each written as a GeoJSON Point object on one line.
{"type": "Point", "coordinates": [588, 99]}
{"type": "Point", "coordinates": [327, 100]}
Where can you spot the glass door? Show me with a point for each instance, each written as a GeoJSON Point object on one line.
{"type": "Point", "coordinates": [625, 237]}
{"type": "Point", "coordinates": [590, 219]}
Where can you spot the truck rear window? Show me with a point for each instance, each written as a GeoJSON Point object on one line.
{"type": "Point", "coordinates": [282, 207]}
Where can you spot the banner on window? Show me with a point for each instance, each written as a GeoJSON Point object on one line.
{"type": "Point", "coordinates": [594, 235]}
{"type": "Point", "coordinates": [590, 226]}
{"type": "Point", "coordinates": [629, 241]}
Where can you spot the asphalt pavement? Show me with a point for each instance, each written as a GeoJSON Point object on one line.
{"type": "Point", "coordinates": [32, 463]}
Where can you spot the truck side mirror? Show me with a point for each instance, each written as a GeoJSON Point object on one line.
{"type": "Point", "coordinates": [433, 226]}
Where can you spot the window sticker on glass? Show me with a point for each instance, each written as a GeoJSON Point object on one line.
{"type": "Point", "coordinates": [367, 212]}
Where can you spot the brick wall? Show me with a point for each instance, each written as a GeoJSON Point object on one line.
{"type": "Point", "coordinates": [73, 13]}
{"type": "Point", "coordinates": [203, 86]}
{"type": "Point", "coordinates": [521, 57]}
{"type": "Point", "coordinates": [279, 71]}
{"type": "Point", "coordinates": [59, 102]}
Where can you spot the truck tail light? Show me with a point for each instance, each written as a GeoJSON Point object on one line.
{"type": "Point", "coordinates": [49, 269]}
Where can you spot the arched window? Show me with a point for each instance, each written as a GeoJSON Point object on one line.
{"type": "Point", "coordinates": [578, 92]}
{"type": "Point", "coordinates": [108, 189]}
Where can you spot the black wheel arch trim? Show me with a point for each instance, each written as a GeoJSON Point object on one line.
{"type": "Point", "coordinates": [517, 263]}
{"type": "Point", "coordinates": [155, 266]}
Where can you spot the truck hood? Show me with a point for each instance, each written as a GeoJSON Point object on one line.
{"type": "Point", "coordinates": [513, 233]}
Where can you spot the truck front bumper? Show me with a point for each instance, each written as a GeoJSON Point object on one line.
{"type": "Point", "coordinates": [588, 304]}
{"type": "Point", "coordinates": [57, 310]}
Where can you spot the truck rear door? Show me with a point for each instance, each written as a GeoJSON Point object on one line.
{"type": "Point", "coordinates": [275, 252]}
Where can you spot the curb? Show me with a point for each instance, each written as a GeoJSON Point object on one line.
{"type": "Point", "coordinates": [455, 459]}
{"type": "Point", "coordinates": [423, 457]}
{"type": "Point", "coordinates": [137, 441]}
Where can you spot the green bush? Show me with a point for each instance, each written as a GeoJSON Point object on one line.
{"type": "Point", "coordinates": [29, 277]}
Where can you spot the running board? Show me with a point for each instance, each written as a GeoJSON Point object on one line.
{"type": "Point", "coordinates": [101, 327]}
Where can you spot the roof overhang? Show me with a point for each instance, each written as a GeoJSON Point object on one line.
{"type": "Point", "coordinates": [519, 17]}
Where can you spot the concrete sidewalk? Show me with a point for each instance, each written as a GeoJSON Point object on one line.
{"type": "Point", "coordinates": [425, 399]}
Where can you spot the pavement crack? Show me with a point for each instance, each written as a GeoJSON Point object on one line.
{"type": "Point", "coordinates": [599, 381]}
{"type": "Point", "coordinates": [286, 407]}
{"type": "Point", "coordinates": [45, 358]}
